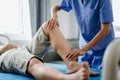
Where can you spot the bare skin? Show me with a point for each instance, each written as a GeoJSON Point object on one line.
{"type": "Point", "coordinates": [105, 28]}
{"type": "Point", "coordinates": [7, 47]}
{"type": "Point", "coordinates": [60, 45]}
{"type": "Point", "coordinates": [74, 54]}
{"type": "Point", "coordinates": [41, 72]}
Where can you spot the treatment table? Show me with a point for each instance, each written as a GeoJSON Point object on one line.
{"type": "Point", "coordinates": [61, 67]}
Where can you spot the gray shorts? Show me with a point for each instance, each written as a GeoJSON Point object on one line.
{"type": "Point", "coordinates": [16, 61]}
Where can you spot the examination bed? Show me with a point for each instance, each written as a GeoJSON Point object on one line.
{"type": "Point", "coordinates": [61, 67]}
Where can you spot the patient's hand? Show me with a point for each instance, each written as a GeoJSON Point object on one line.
{"type": "Point", "coordinates": [7, 47]}
{"type": "Point", "coordinates": [10, 46]}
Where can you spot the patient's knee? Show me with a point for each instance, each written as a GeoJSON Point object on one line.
{"type": "Point", "coordinates": [33, 63]}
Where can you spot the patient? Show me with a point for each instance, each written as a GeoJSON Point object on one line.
{"type": "Point", "coordinates": [25, 60]}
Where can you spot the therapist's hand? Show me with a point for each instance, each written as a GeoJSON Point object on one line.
{"type": "Point", "coordinates": [48, 26]}
{"type": "Point", "coordinates": [74, 54]}
{"type": "Point", "coordinates": [55, 19]}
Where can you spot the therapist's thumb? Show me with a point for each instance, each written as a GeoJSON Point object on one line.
{"type": "Point", "coordinates": [85, 65]}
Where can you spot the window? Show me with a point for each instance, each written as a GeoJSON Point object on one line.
{"type": "Point", "coordinates": [116, 14]}
{"type": "Point", "coordinates": [15, 19]}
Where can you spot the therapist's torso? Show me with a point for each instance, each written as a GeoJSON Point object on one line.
{"type": "Point", "coordinates": [89, 15]}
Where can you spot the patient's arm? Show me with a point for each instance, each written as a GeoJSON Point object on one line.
{"type": "Point", "coordinates": [7, 47]}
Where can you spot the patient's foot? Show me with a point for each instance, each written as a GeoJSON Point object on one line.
{"type": "Point", "coordinates": [73, 67]}
{"type": "Point", "coordinates": [81, 74]}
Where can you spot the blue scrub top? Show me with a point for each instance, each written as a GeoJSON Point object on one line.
{"type": "Point", "coordinates": [89, 15]}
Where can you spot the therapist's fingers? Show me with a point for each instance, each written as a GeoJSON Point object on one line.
{"type": "Point", "coordinates": [72, 55]}
{"type": "Point", "coordinates": [73, 58]}
{"type": "Point", "coordinates": [53, 23]}
{"type": "Point", "coordinates": [46, 28]}
{"type": "Point", "coordinates": [75, 55]}
{"type": "Point", "coordinates": [68, 54]}
{"type": "Point", "coordinates": [94, 73]}
{"type": "Point", "coordinates": [48, 23]}
{"type": "Point", "coordinates": [56, 21]}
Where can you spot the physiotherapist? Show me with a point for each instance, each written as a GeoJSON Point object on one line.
{"type": "Point", "coordinates": [94, 19]}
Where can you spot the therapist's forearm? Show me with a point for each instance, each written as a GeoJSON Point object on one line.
{"type": "Point", "coordinates": [54, 11]}
{"type": "Point", "coordinates": [105, 29]}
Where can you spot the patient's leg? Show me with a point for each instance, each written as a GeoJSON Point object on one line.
{"type": "Point", "coordinates": [61, 46]}
{"type": "Point", "coordinates": [41, 72]}
{"type": "Point", "coordinates": [39, 43]}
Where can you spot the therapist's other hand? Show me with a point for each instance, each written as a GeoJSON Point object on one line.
{"type": "Point", "coordinates": [48, 26]}
{"type": "Point", "coordinates": [74, 54]}
{"type": "Point", "coordinates": [55, 19]}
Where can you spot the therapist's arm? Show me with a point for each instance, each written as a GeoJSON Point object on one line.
{"type": "Point", "coordinates": [105, 29]}
{"type": "Point", "coordinates": [54, 15]}
{"type": "Point", "coordinates": [54, 11]}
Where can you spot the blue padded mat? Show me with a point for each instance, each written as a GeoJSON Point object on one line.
{"type": "Point", "coordinates": [62, 68]}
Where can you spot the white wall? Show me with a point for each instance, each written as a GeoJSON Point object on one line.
{"type": "Point", "coordinates": [67, 23]}
{"type": "Point", "coordinates": [116, 14]}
